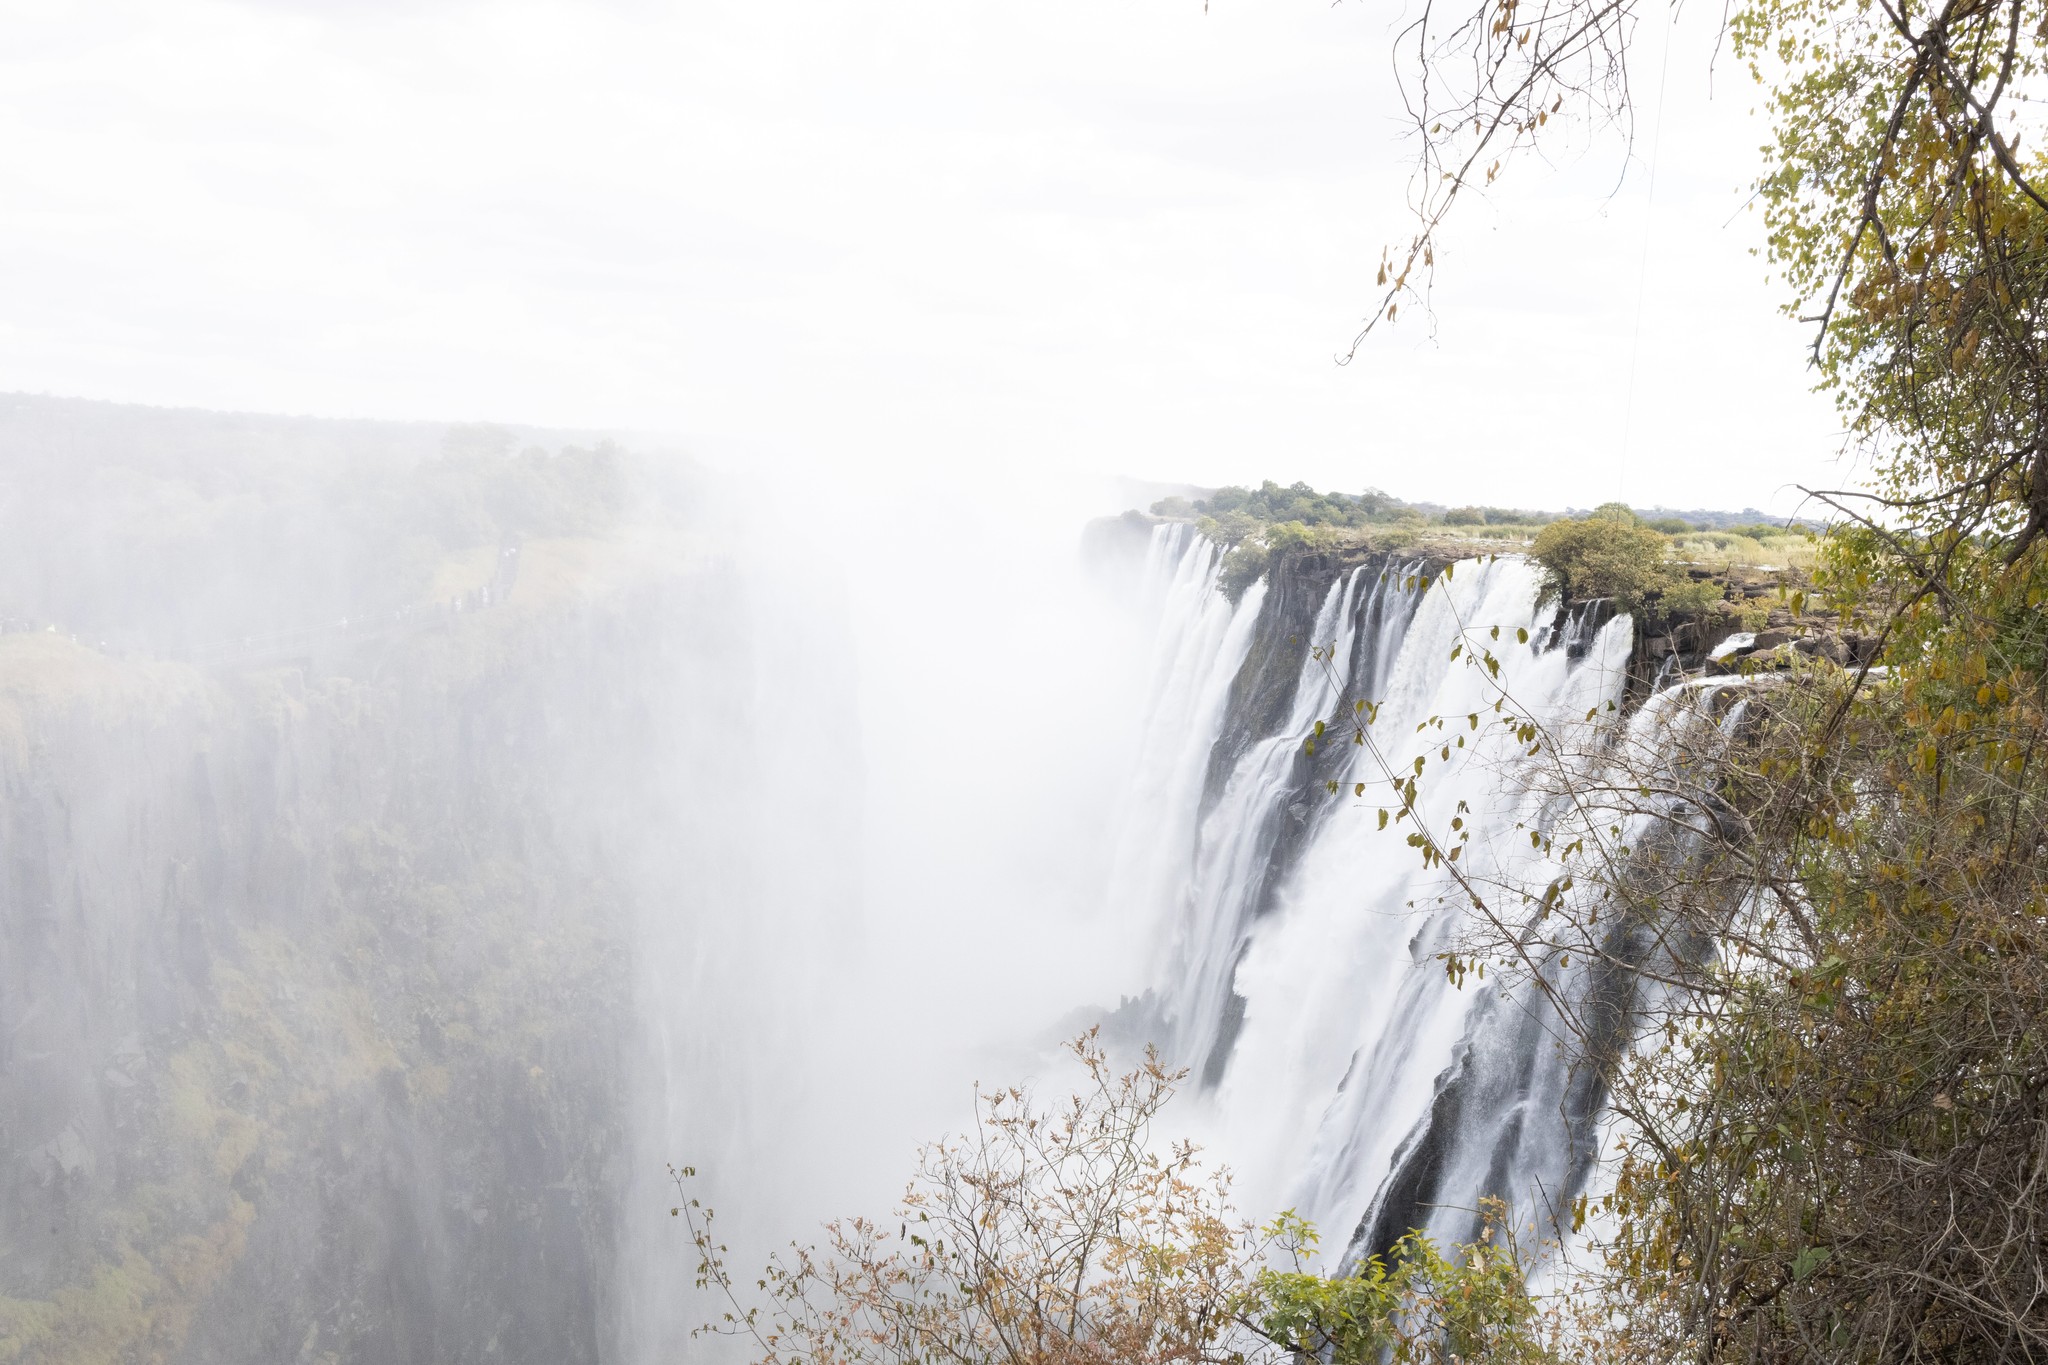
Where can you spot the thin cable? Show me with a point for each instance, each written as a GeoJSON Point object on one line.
{"type": "Point", "coordinates": [1628, 411]}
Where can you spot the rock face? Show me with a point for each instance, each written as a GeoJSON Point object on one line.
{"type": "Point", "coordinates": [1814, 636]}
{"type": "Point", "coordinates": [1753, 627]}
{"type": "Point", "coordinates": [326, 757]}
{"type": "Point", "coordinates": [1263, 688]}
{"type": "Point", "coordinates": [311, 1002]}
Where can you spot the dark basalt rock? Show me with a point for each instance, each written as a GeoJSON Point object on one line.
{"type": "Point", "coordinates": [1261, 697]}
{"type": "Point", "coordinates": [1263, 690]}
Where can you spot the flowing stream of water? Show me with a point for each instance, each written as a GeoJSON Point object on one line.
{"type": "Point", "coordinates": [394, 962]}
{"type": "Point", "coordinates": [1297, 967]}
{"type": "Point", "coordinates": [1267, 930]}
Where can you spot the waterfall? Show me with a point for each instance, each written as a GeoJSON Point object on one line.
{"type": "Point", "coordinates": [1297, 971]}
{"type": "Point", "coordinates": [386, 953]}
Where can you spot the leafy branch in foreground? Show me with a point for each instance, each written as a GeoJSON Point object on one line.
{"type": "Point", "coordinates": [1410, 1305]}
{"type": "Point", "coordinates": [1834, 1112]}
{"type": "Point", "coordinates": [1058, 1235]}
{"type": "Point", "coordinates": [1482, 82]}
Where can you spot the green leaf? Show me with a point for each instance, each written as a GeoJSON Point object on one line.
{"type": "Point", "coordinates": [1810, 1260]}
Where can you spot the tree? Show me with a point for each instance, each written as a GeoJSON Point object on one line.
{"type": "Point", "coordinates": [1059, 1236]}
{"type": "Point", "coordinates": [1833, 903]}
{"type": "Point", "coordinates": [1603, 555]}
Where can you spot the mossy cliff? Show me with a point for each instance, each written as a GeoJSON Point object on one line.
{"type": "Point", "coordinates": [311, 998]}
{"type": "Point", "coordinates": [316, 1005]}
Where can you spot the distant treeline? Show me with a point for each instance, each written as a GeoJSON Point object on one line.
{"type": "Point", "coordinates": [1238, 512]}
{"type": "Point", "coordinates": [168, 530]}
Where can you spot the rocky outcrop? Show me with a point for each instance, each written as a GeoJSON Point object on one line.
{"type": "Point", "coordinates": [1754, 627]}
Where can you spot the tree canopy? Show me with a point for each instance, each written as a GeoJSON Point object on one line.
{"type": "Point", "coordinates": [1833, 1123]}
{"type": "Point", "coordinates": [1060, 1234]}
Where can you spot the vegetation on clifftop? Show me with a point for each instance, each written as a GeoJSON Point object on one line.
{"type": "Point", "coordinates": [1614, 554]}
{"type": "Point", "coordinates": [1664, 563]}
{"type": "Point", "coordinates": [167, 531]}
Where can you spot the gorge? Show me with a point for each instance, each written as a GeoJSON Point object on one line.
{"type": "Point", "coordinates": [418, 836]}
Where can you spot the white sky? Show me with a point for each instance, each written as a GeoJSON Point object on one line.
{"type": "Point", "coordinates": [926, 236]}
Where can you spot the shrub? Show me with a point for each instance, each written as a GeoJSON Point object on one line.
{"type": "Point", "coordinates": [1687, 598]}
{"type": "Point", "coordinates": [1252, 546]}
{"type": "Point", "coordinates": [1242, 566]}
{"type": "Point", "coordinates": [1608, 554]}
{"type": "Point", "coordinates": [1289, 536]}
{"type": "Point", "coordinates": [1228, 528]}
{"type": "Point", "coordinates": [1059, 1234]}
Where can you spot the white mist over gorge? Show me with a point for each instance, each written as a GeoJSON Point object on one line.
{"type": "Point", "coordinates": [595, 588]}
{"type": "Point", "coordinates": [420, 836]}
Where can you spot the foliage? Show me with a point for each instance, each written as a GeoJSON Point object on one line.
{"type": "Point", "coordinates": [1759, 531]}
{"type": "Point", "coordinates": [1256, 525]}
{"type": "Point", "coordinates": [1688, 597]}
{"type": "Point", "coordinates": [1243, 563]}
{"type": "Point", "coordinates": [164, 530]}
{"type": "Point", "coordinates": [1290, 537]}
{"type": "Point", "coordinates": [1252, 544]}
{"type": "Point", "coordinates": [1608, 554]}
{"type": "Point", "coordinates": [1410, 1305]}
{"type": "Point", "coordinates": [1853, 1170]}
{"type": "Point", "coordinates": [1057, 1235]}
{"type": "Point", "coordinates": [379, 973]}
{"type": "Point", "coordinates": [1613, 553]}
{"type": "Point", "coordinates": [1833, 886]}
{"type": "Point", "coordinates": [1837, 1136]}
{"type": "Point", "coordinates": [1270, 503]}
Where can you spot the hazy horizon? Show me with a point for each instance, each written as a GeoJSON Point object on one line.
{"type": "Point", "coordinates": [1114, 241]}
{"type": "Point", "coordinates": [1107, 492]}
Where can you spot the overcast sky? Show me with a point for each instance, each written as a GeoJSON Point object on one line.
{"type": "Point", "coordinates": [987, 240]}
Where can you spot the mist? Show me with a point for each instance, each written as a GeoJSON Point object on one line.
{"type": "Point", "coordinates": [361, 771]}
{"type": "Point", "coordinates": [735, 664]}
{"type": "Point", "coordinates": [427, 838]}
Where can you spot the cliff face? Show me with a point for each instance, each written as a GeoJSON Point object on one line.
{"type": "Point", "coordinates": [379, 809]}
{"type": "Point", "coordinates": [312, 998]}
{"type": "Point", "coordinates": [331, 846]}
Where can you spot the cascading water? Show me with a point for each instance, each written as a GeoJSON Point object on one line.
{"type": "Point", "coordinates": [447, 938]}
{"type": "Point", "coordinates": [1298, 971]}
